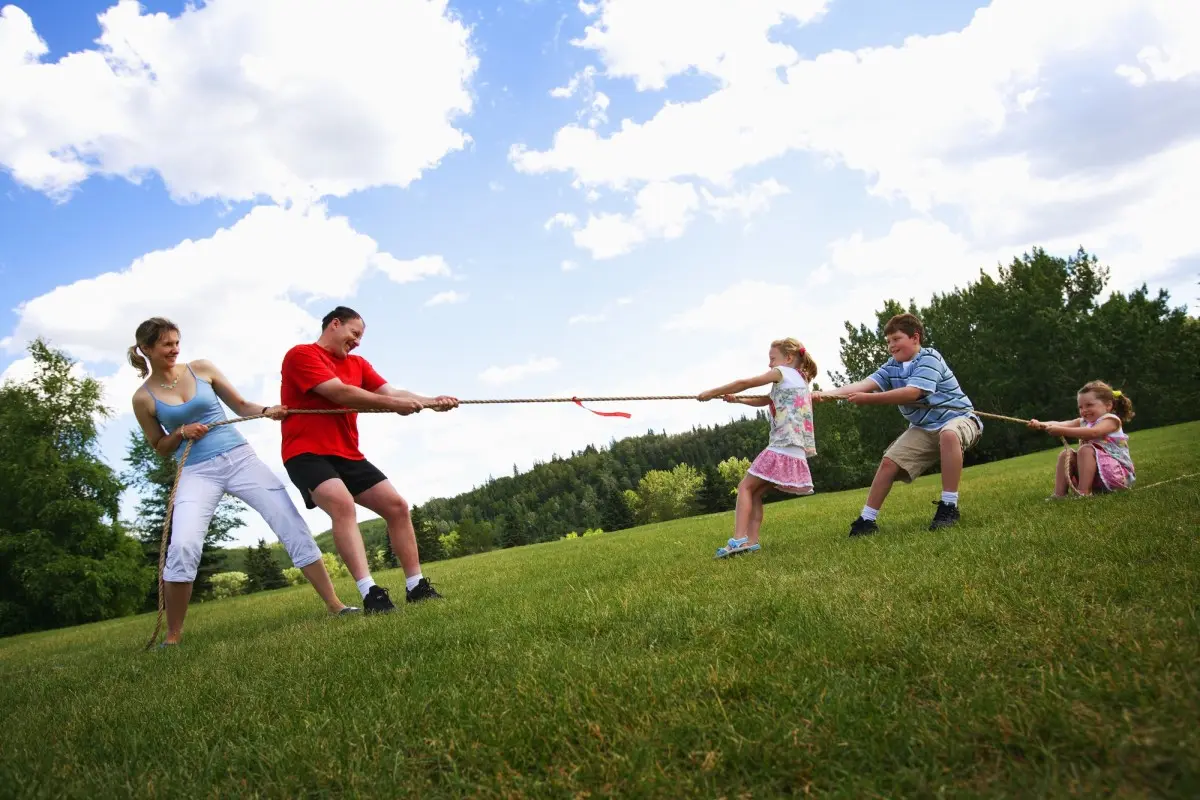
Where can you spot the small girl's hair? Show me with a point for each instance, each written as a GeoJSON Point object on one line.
{"type": "Point", "coordinates": [1122, 405]}
{"type": "Point", "coordinates": [146, 337]}
{"type": "Point", "coordinates": [791, 348]}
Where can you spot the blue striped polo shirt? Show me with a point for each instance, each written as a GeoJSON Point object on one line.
{"type": "Point", "coordinates": [930, 373]}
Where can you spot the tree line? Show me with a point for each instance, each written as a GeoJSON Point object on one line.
{"type": "Point", "coordinates": [1021, 343]}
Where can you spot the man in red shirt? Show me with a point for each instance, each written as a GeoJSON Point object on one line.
{"type": "Point", "coordinates": [321, 455]}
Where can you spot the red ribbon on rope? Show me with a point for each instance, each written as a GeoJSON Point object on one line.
{"type": "Point", "coordinates": [576, 401]}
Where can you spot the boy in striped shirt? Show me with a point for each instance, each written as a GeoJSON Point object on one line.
{"type": "Point", "coordinates": [915, 374]}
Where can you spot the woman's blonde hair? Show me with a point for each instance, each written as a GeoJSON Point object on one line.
{"type": "Point", "coordinates": [145, 337]}
{"type": "Point", "coordinates": [1122, 406]}
{"type": "Point", "coordinates": [793, 350]}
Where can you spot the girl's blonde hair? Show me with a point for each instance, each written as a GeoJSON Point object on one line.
{"type": "Point", "coordinates": [146, 337]}
{"type": "Point", "coordinates": [1121, 404]}
{"type": "Point", "coordinates": [791, 348]}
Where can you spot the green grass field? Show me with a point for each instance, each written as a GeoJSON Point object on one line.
{"type": "Point", "coordinates": [1036, 650]}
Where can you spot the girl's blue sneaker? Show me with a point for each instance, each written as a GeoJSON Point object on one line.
{"type": "Point", "coordinates": [737, 546]}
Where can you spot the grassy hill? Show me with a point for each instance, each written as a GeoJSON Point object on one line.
{"type": "Point", "coordinates": [1037, 649]}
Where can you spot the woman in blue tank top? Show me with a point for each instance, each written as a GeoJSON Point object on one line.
{"type": "Point", "coordinates": [178, 402]}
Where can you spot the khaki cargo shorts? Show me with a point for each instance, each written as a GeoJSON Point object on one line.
{"type": "Point", "coordinates": [916, 450]}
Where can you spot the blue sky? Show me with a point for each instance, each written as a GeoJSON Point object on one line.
{"type": "Point", "coordinates": [719, 179]}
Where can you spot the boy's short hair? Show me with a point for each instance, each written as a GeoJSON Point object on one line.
{"type": "Point", "coordinates": [908, 324]}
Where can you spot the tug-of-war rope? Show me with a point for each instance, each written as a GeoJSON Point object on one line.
{"type": "Point", "coordinates": [579, 401]}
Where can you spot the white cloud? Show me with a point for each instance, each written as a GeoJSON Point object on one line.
{"type": "Point", "coordinates": [905, 116]}
{"type": "Point", "coordinates": [259, 269]}
{"type": "Point", "coordinates": [624, 301]}
{"type": "Point", "coordinates": [737, 308]}
{"type": "Point", "coordinates": [663, 211]}
{"type": "Point", "coordinates": [586, 318]}
{"type": "Point", "coordinates": [583, 78]}
{"type": "Point", "coordinates": [653, 40]}
{"type": "Point", "coordinates": [445, 298]}
{"type": "Point", "coordinates": [562, 220]}
{"type": "Point", "coordinates": [569, 266]}
{"type": "Point", "coordinates": [1175, 56]}
{"type": "Point", "coordinates": [516, 372]}
{"type": "Point", "coordinates": [412, 270]}
{"type": "Point", "coordinates": [755, 200]}
{"type": "Point", "coordinates": [223, 102]}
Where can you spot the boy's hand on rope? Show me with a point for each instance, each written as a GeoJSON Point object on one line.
{"type": "Point", "coordinates": [193, 430]}
{"type": "Point", "coordinates": [859, 398]}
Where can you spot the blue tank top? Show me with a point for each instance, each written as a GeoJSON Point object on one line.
{"type": "Point", "coordinates": [204, 407]}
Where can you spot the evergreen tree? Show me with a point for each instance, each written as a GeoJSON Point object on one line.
{"type": "Point", "coordinates": [615, 514]}
{"type": "Point", "coordinates": [428, 544]}
{"type": "Point", "coordinates": [714, 496]}
{"type": "Point", "coordinates": [262, 571]}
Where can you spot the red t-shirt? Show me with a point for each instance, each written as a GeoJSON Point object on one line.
{"type": "Point", "coordinates": [309, 365]}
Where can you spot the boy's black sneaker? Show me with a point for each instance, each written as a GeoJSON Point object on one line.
{"type": "Point", "coordinates": [945, 516]}
{"type": "Point", "coordinates": [422, 591]}
{"type": "Point", "coordinates": [863, 527]}
{"type": "Point", "coordinates": [377, 601]}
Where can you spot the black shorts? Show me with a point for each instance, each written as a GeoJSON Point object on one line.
{"type": "Point", "coordinates": [309, 470]}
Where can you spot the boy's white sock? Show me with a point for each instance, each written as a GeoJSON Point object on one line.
{"type": "Point", "coordinates": [870, 514]}
{"type": "Point", "coordinates": [411, 581]}
{"type": "Point", "coordinates": [950, 498]}
{"type": "Point", "coordinates": [365, 585]}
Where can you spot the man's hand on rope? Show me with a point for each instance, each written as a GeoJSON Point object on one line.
{"type": "Point", "coordinates": [405, 406]}
{"type": "Point", "coordinates": [443, 403]}
{"type": "Point", "coordinates": [276, 413]}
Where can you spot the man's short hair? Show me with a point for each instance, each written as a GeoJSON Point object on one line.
{"type": "Point", "coordinates": [342, 314]}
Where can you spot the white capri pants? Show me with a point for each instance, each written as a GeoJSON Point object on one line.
{"type": "Point", "coordinates": [240, 473]}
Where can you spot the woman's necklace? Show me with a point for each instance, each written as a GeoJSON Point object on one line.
{"type": "Point", "coordinates": [171, 385]}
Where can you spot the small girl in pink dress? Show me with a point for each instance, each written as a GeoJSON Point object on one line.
{"type": "Point", "coordinates": [784, 464]}
{"type": "Point", "coordinates": [1102, 462]}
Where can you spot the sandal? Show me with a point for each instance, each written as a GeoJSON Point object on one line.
{"type": "Point", "coordinates": [737, 547]}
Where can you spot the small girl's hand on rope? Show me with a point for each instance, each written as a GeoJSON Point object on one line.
{"type": "Point", "coordinates": [1039, 426]}
{"type": "Point", "coordinates": [276, 412]}
{"type": "Point", "coordinates": [193, 430]}
{"type": "Point", "coordinates": [818, 397]}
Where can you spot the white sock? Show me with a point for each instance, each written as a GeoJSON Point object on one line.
{"type": "Point", "coordinates": [411, 581]}
{"type": "Point", "coordinates": [950, 498]}
{"type": "Point", "coordinates": [870, 514]}
{"type": "Point", "coordinates": [365, 585]}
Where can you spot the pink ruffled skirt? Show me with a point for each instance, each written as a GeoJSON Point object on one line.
{"type": "Point", "coordinates": [788, 473]}
{"type": "Point", "coordinates": [1110, 475]}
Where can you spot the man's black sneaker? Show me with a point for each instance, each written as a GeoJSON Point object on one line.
{"type": "Point", "coordinates": [377, 601]}
{"type": "Point", "coordinates": [945, 516]}
{"type": "Point", "coordinates": [863, 527]}
{"type": "Point", "coordinates": [422, 591]}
